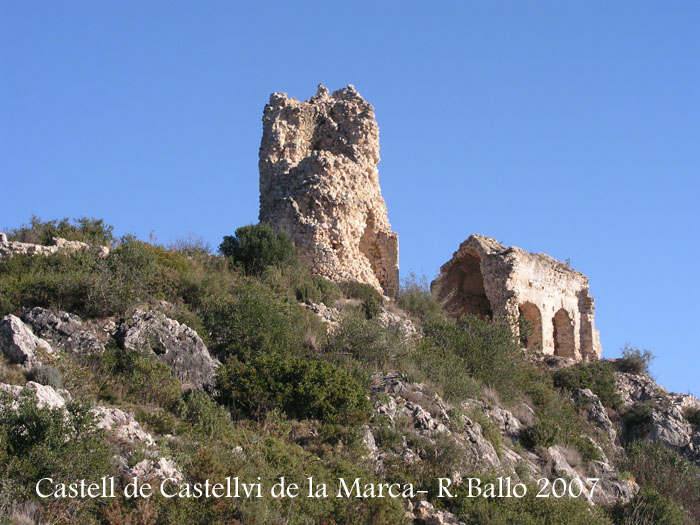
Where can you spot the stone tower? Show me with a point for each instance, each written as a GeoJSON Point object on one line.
{"type": "Point", "coordinates": [319, 182]}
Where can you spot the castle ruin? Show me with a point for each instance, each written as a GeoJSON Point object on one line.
{"type": "Point", "coordinates": [319, 183]}
{"type": "Point", "coordinates": [488, 279]}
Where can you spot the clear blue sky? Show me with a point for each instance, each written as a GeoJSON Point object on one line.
{"type": "Point", "coordinates": [571, 128]}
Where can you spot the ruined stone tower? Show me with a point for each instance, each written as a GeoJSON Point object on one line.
{"type": "Point", "coordinates": [488, 279]}
{"type": "Point", "coordinates": [319, 183]}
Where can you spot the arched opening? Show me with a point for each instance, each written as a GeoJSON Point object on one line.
{"type": "Point", "coordinates": [563, 335]}
{"type": "Point", "coordinates": [530, 326]}
{"type": "Point", "coordinates": [463, 292]}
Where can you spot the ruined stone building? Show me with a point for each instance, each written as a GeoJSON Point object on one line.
{"type": "Point", "coordinates": [488, 279]}
{"type": "Point", "coordinates": [319, 182]}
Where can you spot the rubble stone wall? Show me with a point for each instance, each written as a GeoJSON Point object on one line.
{"type": "Point", "coordinates": [319, 183]}
{"type": "Point", "coordinates": [488, 279]}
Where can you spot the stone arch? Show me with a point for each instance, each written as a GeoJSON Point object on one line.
{"type": "Point", "coordinates": [564, 345]}
{"type": "Point", "coordinates": [530, 314]}
{"type": "Point", "coordinates": [463, 291]}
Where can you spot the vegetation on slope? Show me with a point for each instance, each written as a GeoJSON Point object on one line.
{"type": "Point", "coordinates": [291, 399]}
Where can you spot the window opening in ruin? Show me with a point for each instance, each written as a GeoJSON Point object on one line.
{"type": "Point", "coordinates": [530, 326]}
{"type": "Point", "coordinates": [563, 335]}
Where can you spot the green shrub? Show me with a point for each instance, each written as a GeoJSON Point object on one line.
{"type": "Point", "coordinates": [46, 375]}
{"type": "Point", "coordinates": [386, 435]}
{"type": "Point", "coordinates": [205, 416]}
{"type": "Point", "coordinates": [252, 322]}
{"type": "Point", "coordinates": [371, 308]}
{"type": "Point", "coordinates": [297, 283]}
{"type": "Point", "coordinates": [480, 344]}
{"type": "Point", "coordinates": [40, 442]}
{"type": "Point", "coordinates": [692, 415]}
{"type": "Point", "coordinates": [91, 231]}
{"type": "Point", "coordinates": [302, 388]}
{"type": "Point", "coordinates": [650, 508]}
{"type": "Point", "coordinates": [543, 433]}
{"type": "Point", "coordinates": [366, 340]}
{"type": "Point", "coordinates": [258, 246]}
{"type": "Point", "coordinates": [598, 376]}
{"type": "Point", "coordinates": [657, 468]}
{"type": "Point", "coordinates": [136, 377]}
{"type": "Point", "coordinates": [80, 282]}
{"type": "Point", "coordinates": [361, 291]}
{"type": "Point", "coordinates": [637, 419]}
{"type": "Point", "coordinates": [634, 360]}
{"type": "Point", "coordinates": [416, 299]}
{"type": "Point", "coordinates": [427, 362]}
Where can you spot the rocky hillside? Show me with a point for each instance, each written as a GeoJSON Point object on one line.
{"type": "Point", "coordinates": [169, 363]}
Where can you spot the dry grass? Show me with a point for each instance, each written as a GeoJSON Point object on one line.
{"type": "Point", "coordinates": [571, 455]}
{"type": "Point", "coordinates": [490, 397]}
{"type": "Point", "coordinates": [11, 374]}
{"type": "Point", "coordinates": [524, 413]}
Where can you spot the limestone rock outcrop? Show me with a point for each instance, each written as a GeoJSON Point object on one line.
{"type": "Point", "coordinates": [64, 330]}
{"type": "Point", "coordinates": [46, 396]}
{"type": "Point", "coordinates": [175, 344]}
{"type": "Point", "coordinates": [426, 420]}
{"type": "Point", "coordinates": [18, 343]}
{"type": "Point", "coordinates": [665, 422]}
{"type": "Point", "coordinates": [491, 280]}
{"type": "Point", "coordinates": [160, 470]}
{"type": "Point", "coordinates": [121, 426]}
{"type": "Point", "coordinates": [319, 183]}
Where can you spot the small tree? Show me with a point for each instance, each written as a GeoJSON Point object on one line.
{"type": "Point", "coordinates": [258, 246]}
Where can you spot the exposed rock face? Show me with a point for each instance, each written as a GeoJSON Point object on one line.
{"type": "Point", "coordinates": [63, 329]}
{"type": "Point", "coordinates": [46, 396]}
{"type": "Point", "coordinates": [156, 470]}
{"type": "Point", "coordinates": [425, 513]}
{"type": "Point", "coordinates": [595, 411]}
{"type": "Point", "coordinates": [319, 183]}
{"type": "Point", "coordinates": [18, 343]}
{"type": "Point", "coordinates": [175, 344]}
{"type": "Point", "coordinates": [427, 420]}
{"type": "Point", "coordinates": [667, 423]}
{"type": "Point", "coordinates": [10, 248]}
{"type": "Point", "coordinates": [488, 279]}
{"type": "Point", "coordinates": [121, 426]}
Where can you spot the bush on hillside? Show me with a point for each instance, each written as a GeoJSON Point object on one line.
{"type": "Point", "coordinates": [63, 444]}
{"type": "Point", "coordinates": [692, 415]}
{"type": "Point", "coordinates": [598, 376]}
{"type": "Point", "coordinates": [252, 322]}
{"type": "Point", "coordinates": [88, 230]}
{"type": "Point", "coordinates": [46, 375]}
{"type": "Point", "coordinates": [416, 299]}
{"type": "Point", "coordinates": [302, 388]}
{"type": "Point", "coordinates": [371, 308]}
{"type": "Point", "coordinates": [297, 283]}
{"type": "Point", "coordinates": [361, 291]}
{"type": "Point", "coordinates": [659, 469]}
{"type": "Point", "coordinates": [257, 246]}
{"type": "Point", "coordinates": [487, 351]}
{"type": "Point", "coordinates": [649, 508]}
{"type": "Point", "coordinates": [135, 377]}
{"type": "Point", "coordinates": [366, 340]}
{"type": "Point", "coordinates": [634, 360]}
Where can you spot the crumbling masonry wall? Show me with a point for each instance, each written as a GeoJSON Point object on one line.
{"type": "Point", "coordinates": [319, 182]}
{"type": "Point", "coordinates": [488, 279]}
